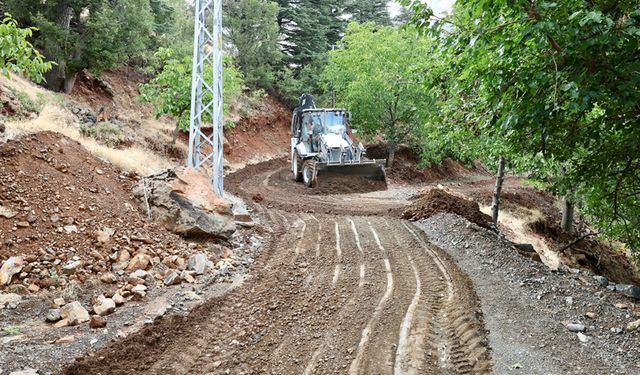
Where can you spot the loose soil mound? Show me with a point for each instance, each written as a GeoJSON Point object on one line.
{"type": "Point", "coordinates": [588, 253]}
{"type": "Point", "coordinates": [62, 196]}
{"type": "Point", "coordinates": [406, 167]}
{"type": "Point", "coordinates": [437, 201]}
{"type": "Point", "coordinates": [328, 184]}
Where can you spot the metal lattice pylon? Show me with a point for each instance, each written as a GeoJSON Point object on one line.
{"type": "Point", "coordinates": [206, 95]}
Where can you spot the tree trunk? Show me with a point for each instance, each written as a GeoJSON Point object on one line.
{"type": "Point", "coordinates": [69, 82]}
{"type": "Point", "coordinates": [392, 155]}
{"type": "Point", "coordinates": [495, 205]}
{"type": "Point", "coordinates": [56, 78]}
{"type": "Point", "coordinates": [567, 216]}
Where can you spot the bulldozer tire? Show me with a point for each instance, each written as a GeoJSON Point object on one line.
{"type": "Point", "coordinates": [309, 173]}
{"type": "Point", "coordinates": [296, 167]}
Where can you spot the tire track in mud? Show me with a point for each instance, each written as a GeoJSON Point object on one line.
{"type": "Point", "coordinates": [458, 329]}
{"type": "Point", "coordinates": [330, 294]}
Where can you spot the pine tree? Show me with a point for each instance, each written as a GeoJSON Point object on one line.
{"type": "Point", "coordinates": [253, 30]}
{"type": "Point", "coordinates": [368, 11]}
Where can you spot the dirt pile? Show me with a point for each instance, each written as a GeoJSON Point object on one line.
{"type": "Point", "coordinates": [328, 184]}
{"type": "Point", "coordinates": [69, 216]}
{"type": "Point", "coordinates": [587, 252]}
{"type": "Point", "coordinates": [438, 201]}
{"type": "Point", "coordinates": [406, 167]}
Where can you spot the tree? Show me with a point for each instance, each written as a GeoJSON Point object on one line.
{"type": "Point", "coordinates": [363, 11]}
{"type": "Point", "coordinates": [554, 86]}
{"type": "Point", "coordinates": [374, 75]}
{"type": "Point", "coordinates": [85, 34]}
{"type": "Point", "coordinates": [17, 55]}
{"type": "Point", "coordinates": [253, 29]}
{"type": "Point", "coordinates": [170, 90]}
{"type": "Point", "coordinates": [309, 28]}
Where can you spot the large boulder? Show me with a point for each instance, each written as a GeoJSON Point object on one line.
{"type": "Point", "coordinates": [9, 268]}
{"type": "Point", "coordinates": [185, 203]}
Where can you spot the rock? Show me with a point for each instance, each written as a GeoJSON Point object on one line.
{"type": "Point", "coordinates": [7, 213]}
{"type": "Point", "coordinates": [139, 262]}
{"type": "Point", "coordinates": [617, 330]}
{"type": "Point", "coordinates": [227, 253]}
{"type": "Point", "coordinates": [138, 288]}
{"type": "Point", "coordinates": [632, 326]}
{"type": "Point", "coordinates": [575, 327]}
{"type": "Point", "coordinates": [104, 306]}
{"type": "Point", "coordinates": [74, 313]}
{"type": "Point", "coordinates": [135, 280]}
{"type": "Point", "coordinates": [72, 267]}
{"type": "Point", "coordinates": [10, 267]}
{"type": "Point", "coordinates": [157, 307]}
{"type": "Point", "coordinates": [184, 275]}
{"type": "Point", "coordinates": [171, 278]}
{"type": "Point", "coordinates": [591, 315]}
{"type": "Point", "coordinates": [70, 229]}
{"type": "Point", "coordinates": [185, 203]}
{"type": "Point", "coordinates": [582, 337]}
{"type": "Point", "coordinates": [198, 263]}
{"type": "Point", "coordinates": [104, 235]}
{"type": "Point", "coordinates": [62, 323]}
{"type": "Point", "coordinates": [569, 301]}
{"type": "Point", "coordinates": [108, 278]}
{"type": "Point", "coordinates": [140, 274]}
{"type": "Point", "coordinates": [97, 322]}
{"type": "Point", "coordinates": [65, 339]}
{"type": "Point", "coordinates": [118, 299]}
{"type": "Point", "coordinates": [192, 296]}
{"type": "Point", "coordinates": [8, 298]}
{"type": "Point", "coordinates": [53, 315]}
{"type": "Point", "coordinates": [122, 260]}
{"type": "Point", "coordinates": [27, 371]}
{"type": "Point", "coordinates": [33, 288]}
{"type": "Point", "coordinates": [632, 291]}
{"type": "Point", "coordinates": [59, 302]}
{"type": "Point", "coordinates": [23, 224]}
{"type": "Point", "coordinates": [603, 281]}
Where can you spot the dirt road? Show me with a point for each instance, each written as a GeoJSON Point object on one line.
{"type": "Point", "coordinates": [341, 289]}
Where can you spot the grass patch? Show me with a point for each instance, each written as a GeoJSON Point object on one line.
{"type": "Point", "coordinates": [11, 330]}
{"type": "Point", "coordinates": [57, 119]}
{"type": "Point", "coordinates": [104, 132]}
{"type": "Point", "coordinates": [28, 105]}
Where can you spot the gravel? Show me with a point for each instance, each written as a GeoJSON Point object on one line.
{"type": "Point", "coordinates": [526, 311]}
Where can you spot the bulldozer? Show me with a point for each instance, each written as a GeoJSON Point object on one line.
{"type": "Point", "coordinates": [321, 145]}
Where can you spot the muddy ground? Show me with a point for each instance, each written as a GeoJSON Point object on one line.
{"type": "Point", "coordinates": [347, 287]}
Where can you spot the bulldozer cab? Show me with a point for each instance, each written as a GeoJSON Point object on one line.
{"type": "Point", "coordinates": [315, 123]}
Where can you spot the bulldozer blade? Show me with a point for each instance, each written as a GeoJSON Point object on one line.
{"type": "Point", "coordinates": [371, 170]}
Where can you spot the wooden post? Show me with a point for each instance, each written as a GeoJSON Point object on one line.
{"type": "Point", "coordinates": [495, 205]}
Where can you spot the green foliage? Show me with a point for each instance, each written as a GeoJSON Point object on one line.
{"type": "Point", "coordinates": [11, 330]}
{"type": "Point", "coordinates": [170, 90]}
{"type": "Point", "coordinates": [551, 85]}
{"type": "Point", "coordinates": [28, 105]}
{"type": "Point", "coordinates": [253, 29]}
{"type": "Point", "coordinates": [363, 11]}
{"type": "Point", "coordinates": [104, 132]}
{"type": "Point", "coordinates": [17, 55]}
{"type": "Point", "coordinates": [374, 74]}
{"type": "Point", "coordinates": [88, 34]}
